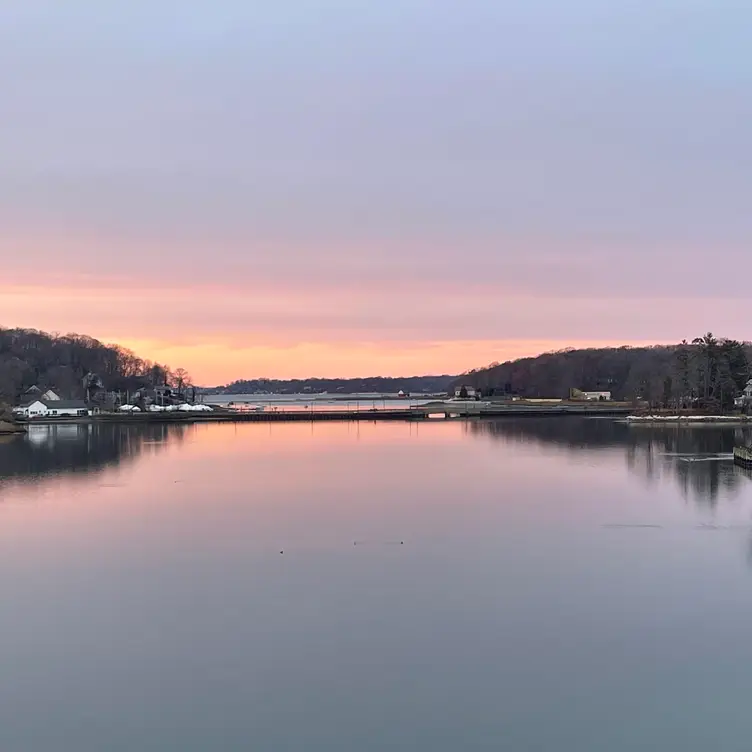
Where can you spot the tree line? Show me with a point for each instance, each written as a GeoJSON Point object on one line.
{"type": "Point", "coordinates": [706, 372]}
{"type": "Point", "coordinates": [75, 366]}
{"type": "Point", "coordinates": [374, 384]}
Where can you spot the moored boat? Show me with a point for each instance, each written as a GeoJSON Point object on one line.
{"type": "Point", "coordinates": [743, 456]}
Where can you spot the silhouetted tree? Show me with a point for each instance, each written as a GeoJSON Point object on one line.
{"type": "Point", "coordinates": [76, 365]}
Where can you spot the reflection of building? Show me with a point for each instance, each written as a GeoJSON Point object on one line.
{"type": "Point", "coordinates": [48, 433]}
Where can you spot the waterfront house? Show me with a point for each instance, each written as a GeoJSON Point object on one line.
{"type": "Point", "coordinates": [467, 392]}
{"type": "Point", "coordinates": [58, 408]}
{"type": "Point", "coordinates": [746, 396]}
{"type": "Point", "coordinates": [578, 394]}
{"type": "Point", "coordinates": [157, 395]}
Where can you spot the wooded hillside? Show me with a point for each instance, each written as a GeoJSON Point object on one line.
{"type": "Point", "coordinates": [62, 362]}
{"type": "Point", "coordinates": [707, 369]}
{"type": "Point", "coordinates": [374, 384]}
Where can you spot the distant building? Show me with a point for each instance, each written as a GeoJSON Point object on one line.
{"type": "Point", "coordinates": [157, 395]}
{"type": "Point", "coordinates": [466, 392]}
{"type": "Point", "coordinates": [746, 396]}
{"type": "Point", "coordinates": [56, 408]}
{"type": "Point", "coordinates": [578, 394]}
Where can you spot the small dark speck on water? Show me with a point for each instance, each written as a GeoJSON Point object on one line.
{"type": "Point", "coordinates": [382, 543]}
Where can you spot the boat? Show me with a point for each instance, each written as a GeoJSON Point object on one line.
{"type": "Point", "coordinates": [743, 456]}
{"type": "Point", "coordinates": [460, 402]}
{"type": "Point", "coordinates": [245, 407]}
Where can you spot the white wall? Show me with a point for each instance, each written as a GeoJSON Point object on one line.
{"type": "Point", "coordinates": [40, 410]}
{"type": "Point", "coordinates": [35, 410]}
{"type": "Point", "coordinates": [66, 413]}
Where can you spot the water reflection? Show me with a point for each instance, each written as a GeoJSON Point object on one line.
{"type": "Point", "coordinates": [161, 616]}
{"type": "Point", "coordinates": [698, 459]}
{"type": "Point", "coordinates": [53, 451]}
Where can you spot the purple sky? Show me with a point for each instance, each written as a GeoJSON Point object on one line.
{"type": "Point", "coordinates": [298, 188]}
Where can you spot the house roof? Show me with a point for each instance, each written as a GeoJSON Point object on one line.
{"type": "Point", "coordinates": [64, 404]}
{"type": "Point", "coordinates": [35, 394]}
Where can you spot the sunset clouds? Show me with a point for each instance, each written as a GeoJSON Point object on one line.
{"type": "Point", "coordinates": [330, 188]}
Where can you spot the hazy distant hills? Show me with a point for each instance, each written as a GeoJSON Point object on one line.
{"type": "Point", "coordinates": [373, 384]}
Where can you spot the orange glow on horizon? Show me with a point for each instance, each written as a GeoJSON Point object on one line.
{"type": "Point", "coordinates": [219, 363]}
{"type": "Point", "coordinates": [224, 336]}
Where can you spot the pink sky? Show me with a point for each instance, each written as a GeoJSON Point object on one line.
{"type": "Point", "coordinates": [320, 316]}
{"type": "Point", "coordinates": [310, 189]}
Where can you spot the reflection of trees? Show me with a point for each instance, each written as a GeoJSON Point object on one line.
{"type": "Point", "coordinates": [71, 449]}
{"type": "Point", "coordinates": [652, 451]}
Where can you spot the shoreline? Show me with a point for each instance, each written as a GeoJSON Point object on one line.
{"type": "Point", "coordinates": [435, 411]}
{"type": "Point", "coordinates": [687, 420]}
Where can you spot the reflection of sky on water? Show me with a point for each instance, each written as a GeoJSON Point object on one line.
{"type": "Point", "coordinates": [697, 459]}
{"type": "Point", "coordinates": [146, 604]}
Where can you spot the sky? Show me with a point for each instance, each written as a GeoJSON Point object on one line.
{"type": "Point", "coordinates": [347, 187]}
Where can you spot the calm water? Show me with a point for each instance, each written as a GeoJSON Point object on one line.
{"type": "Point", "coordinates": [146, 605]}
{"type": "Point", "coordinates": [318, 402]}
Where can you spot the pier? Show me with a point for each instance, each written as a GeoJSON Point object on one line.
{"type": "Point", "coordinates": [431, 411]}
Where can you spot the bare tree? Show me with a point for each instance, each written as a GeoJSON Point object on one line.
{"type": "Point", "coordinates": [181, 379]}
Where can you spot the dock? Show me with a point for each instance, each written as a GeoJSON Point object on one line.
{"type": "Point", "coordinates": [439, 410]}
{"type": "Point", "coordinates": [431, 411]}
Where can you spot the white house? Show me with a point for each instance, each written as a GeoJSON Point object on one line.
{"type": "Point", "coordinates": [578, 394]}
{"type": "Point", "coordinates": [466, 392]}
{"type": "Point", "coordinates": [746, 395]}
{"type": "Point", "coordinates": [52, 409]}
{"type": "Point", "coordinates": [596, 396]}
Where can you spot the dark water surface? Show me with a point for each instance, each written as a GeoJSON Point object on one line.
{"type": "Point", "coordinates": [555, 584]}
